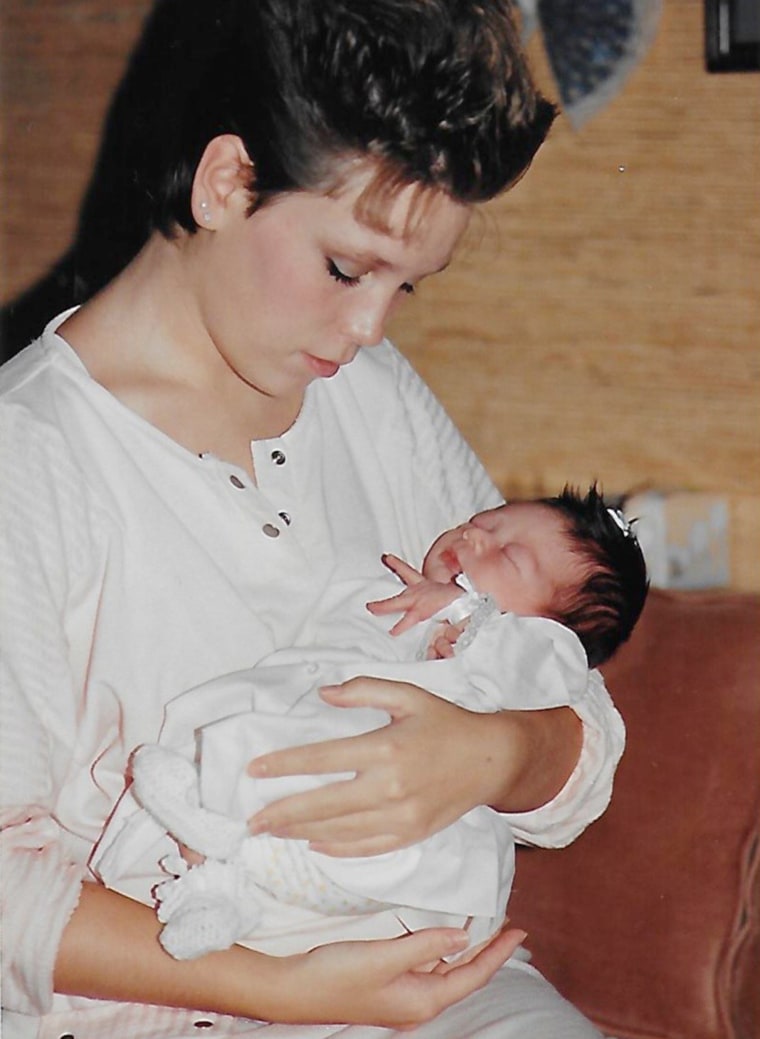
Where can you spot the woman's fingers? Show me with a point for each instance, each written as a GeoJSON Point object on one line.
{"type": "Point", "coordinates": [362, 847]}
{"type": "Point", "coordinates": [471, 974]}
{"type": "Point", "coordinates": [390, 982]}
{"type": "Point", "coordinates": [418, 949]}
{"type": "Point", "coordinates": [330, 813]}
{"type": "Point", "coordinates": [380, 983]}
{"type": "Point", "coordinates": [313, 759]}
{"type": "Point", "coordinates": [406, 786]}
{"type": "Point", "coordinates": [399, 699]}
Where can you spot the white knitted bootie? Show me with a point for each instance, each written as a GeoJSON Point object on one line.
{"type": "Point", "coordinates": [166, 785]}
{"type": "Point", "coordinates": [205, 908]}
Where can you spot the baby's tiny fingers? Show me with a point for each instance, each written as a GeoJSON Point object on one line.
{"type": "Point", "coordinates": [393, 604]}
{"type": "Point", "coordinates": [443, 647]}
{"type": "Point", "coordinates": [409, 620]}
{"type": "Point", "coordinates": [402, 569]}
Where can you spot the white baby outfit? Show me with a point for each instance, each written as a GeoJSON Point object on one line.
{"type": "Point", "coordinates": [464, 872]}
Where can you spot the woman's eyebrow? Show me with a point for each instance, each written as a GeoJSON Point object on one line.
{"type": "Point", "coordinates": [372, 260]}
{"type": "Point", "coordinates": [362, 256]}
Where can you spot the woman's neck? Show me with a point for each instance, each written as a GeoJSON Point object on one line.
{"type": "Point", "coordinates": [143, 339]}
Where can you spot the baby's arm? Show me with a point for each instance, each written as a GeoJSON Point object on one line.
{"type": "Point", "coordinates": [420, 600]}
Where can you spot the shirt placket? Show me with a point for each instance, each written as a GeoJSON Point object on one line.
{"type": "Point", "coordinates": [275, 479]}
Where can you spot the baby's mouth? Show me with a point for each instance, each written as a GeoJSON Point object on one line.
{"type": "Point", "coordinates": [450, 560]}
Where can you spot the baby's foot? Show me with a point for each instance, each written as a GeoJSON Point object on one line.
{"type": "Point", "coordinates": [166, 785]}
{"type": "Point", "coordinates": [205, 908]}
{"type": "Point", "coordinates": [210, 924]}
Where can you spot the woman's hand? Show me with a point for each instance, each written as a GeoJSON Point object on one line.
{"type": "Point", "coordinates": [423, 771]}
{"type": "Point", "coordinates": [428, 767]}
{"type": "Point", "coordinates": [398, 983]}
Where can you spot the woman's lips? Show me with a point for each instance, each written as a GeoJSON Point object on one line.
{"type": "Point", "coordinates": [322, 369]}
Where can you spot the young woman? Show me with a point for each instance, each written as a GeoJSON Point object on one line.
{"type": "Point", "coordinates": [194, 455]}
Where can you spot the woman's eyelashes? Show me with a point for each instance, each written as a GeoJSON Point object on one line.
{"type": "Point", "coordinates": [353, 279]}
{"type": "Point", "coordinates": [339, 275]}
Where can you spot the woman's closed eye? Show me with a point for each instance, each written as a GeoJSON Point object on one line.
{"type": "Point", "coordinates": [353, 279]}
{"type": "Point", "coordinates": [340, 276]}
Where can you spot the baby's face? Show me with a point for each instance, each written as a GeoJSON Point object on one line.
{"type": "Point", "coordinates": [520, 554]}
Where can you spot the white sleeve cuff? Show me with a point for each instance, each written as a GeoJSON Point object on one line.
{"type": "Point", "coordinates": [587, 792]}
{"type": "Point", "coordinates": [40, 892]}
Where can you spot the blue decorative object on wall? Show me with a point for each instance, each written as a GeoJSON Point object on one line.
{"type": "Point", "coordinates": [592, 46]}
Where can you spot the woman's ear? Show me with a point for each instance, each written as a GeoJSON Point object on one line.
{"type": "Point", "coordinates": [222, 182]}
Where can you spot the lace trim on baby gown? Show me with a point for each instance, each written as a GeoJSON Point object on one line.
{"type": "Point", "coordinates": [473, 607]}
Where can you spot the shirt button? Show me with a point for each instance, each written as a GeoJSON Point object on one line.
{"type": "Point", "coordinates": [278, 457]}
{"type": "Point", "coordinates": [270, 530]}
{"type": "Point", "coordinates": [237, 482]}
{"type": "Point", "coordinates": [285, 517]}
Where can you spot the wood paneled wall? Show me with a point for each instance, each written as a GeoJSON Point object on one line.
{"type": "Point", "coordinates": [602, 320]}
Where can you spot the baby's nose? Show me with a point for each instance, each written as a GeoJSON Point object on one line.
{"type": "Point", "coordinates": [476, 537]}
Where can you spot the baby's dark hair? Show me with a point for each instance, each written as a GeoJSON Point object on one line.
{"type": "Point", "coordinates": [436, 91]}
{"type": "Point", "coordinates": [606, 606]}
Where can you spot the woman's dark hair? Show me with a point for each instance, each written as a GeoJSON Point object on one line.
{"type": "Point", "coordinates": [436, 90]}
{"type": "Point", "coordinates": [605, 608]}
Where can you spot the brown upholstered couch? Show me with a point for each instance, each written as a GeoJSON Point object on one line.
{"type": "Point", "coordinates": [650, 922]}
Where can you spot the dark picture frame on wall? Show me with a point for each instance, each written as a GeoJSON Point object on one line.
{"type": "Point", "coordinates": [732, 35]}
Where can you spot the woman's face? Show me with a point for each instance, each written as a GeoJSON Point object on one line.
{"type": "Point", "coordinates": [291, 293]}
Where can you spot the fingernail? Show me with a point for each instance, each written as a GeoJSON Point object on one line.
{"type": "Point", "coordinates": [258, 768]}
{"type": "Point", "coordinates": [256, 826]}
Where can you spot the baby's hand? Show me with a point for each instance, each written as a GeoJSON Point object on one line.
{"type": "Point", "coordinates": [420, 600]}
{"type": "Point", "coordinates": [192, 858]}
{"type": "Point", "coordinates": [444, 639]}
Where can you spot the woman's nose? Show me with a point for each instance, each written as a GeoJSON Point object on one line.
{"type": "Point", "coordinates": [366, 322]}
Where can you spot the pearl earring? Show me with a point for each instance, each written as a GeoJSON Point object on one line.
{"type": "Point", "coordinates": [205, 212]}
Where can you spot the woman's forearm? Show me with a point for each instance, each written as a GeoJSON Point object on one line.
{"type": "Point", "coordinates": [110, 950]}
{"type": "Point", "coordinates": [538, 751]}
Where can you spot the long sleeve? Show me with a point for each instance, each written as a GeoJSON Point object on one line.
{"type": "Point", "coordinates": [587, 792]}
{"type": "Point", "coordinates": [45, 546]}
